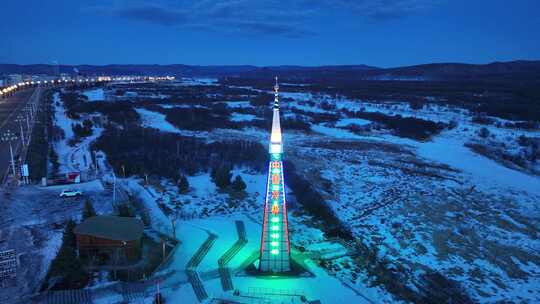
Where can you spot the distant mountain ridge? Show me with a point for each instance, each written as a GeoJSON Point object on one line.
{"type": "Point", "coordinates": [512, 70]}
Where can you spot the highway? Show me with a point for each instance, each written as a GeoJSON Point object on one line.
{"type": "Point", "coordinates": [10, 108]}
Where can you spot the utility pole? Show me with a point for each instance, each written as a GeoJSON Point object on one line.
{"type": "Point", "coordinates": [114, 188]}
{"type": "Point", "coordinates": [95, 162]}
{"type": "Point", "coordinates": [9, 137]}
{"type": "Point", "coordinates": [163, 245]}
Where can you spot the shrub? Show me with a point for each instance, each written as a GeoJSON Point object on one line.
{"type": "Point", "coordinates": [238, 184]}
{"type": "Point", "coordinates": [416, 104]}
{"type": "Point", "coordinates": [183, 184]}
{"type": "Point", "coordinates": [484, 132]}
{"type": "Point", "coordinates": [223, 177]}
{"type": "Point", "coordinates": [88, 210]}
{"type": "Point", "coordinates": [82, 130]}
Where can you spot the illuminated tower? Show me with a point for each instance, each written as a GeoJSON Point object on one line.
{"type": "Point", "coordinates": [275, 248]}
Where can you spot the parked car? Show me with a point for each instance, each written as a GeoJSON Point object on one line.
{"type": "Point", "coordinates": [70, 193]}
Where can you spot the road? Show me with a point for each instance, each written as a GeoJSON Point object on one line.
{"type": "Point", "coordinates": [10, 108]}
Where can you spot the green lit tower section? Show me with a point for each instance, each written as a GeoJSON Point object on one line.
{"type": "Point", "coordinates": [275, 247]}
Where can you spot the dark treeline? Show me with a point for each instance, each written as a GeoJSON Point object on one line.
{"type": "Point", "coordinates": [149, 151]}
{"type": "Point", "coordinates": [120, 112]}
{"type": "Point", "coordinates": [39, 144]}
{"type": "Point", "coordinates": [513, 100]}
{"type": "Point", "coordinates": [218, 115]}
{"type": "Point", "coordinates": [198, 119]}
{"type": "Point", "coordinates": [409, 127]}
{"type": "Point", "coordinates": [186, 94]}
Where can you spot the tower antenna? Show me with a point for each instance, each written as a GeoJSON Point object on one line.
{"type": "Point", "coordinates": [276, 94]}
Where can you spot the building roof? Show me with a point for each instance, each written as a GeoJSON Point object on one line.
{"type": "Point", "coordinates": [112, 227]}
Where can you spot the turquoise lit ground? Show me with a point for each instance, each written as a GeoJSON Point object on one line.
{"type": "Point", "coordinates": [248, 289]}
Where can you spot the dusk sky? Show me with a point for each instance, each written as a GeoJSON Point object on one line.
{"type": "Point", "coordinates": [382, 33]}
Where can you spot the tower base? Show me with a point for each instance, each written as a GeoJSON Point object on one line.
{"type": "Point", "coordinates": [298, 269]}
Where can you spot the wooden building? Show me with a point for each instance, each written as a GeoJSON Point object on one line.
{"type": "Point", "coordinates": [117, 237]}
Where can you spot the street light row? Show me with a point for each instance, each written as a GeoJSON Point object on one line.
{"type": "Point", "coordinates": [6, 90]}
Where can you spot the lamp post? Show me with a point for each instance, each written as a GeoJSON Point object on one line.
{"type": "Point", "coordinates": [20, 120]}
{"type": "Point", "coordinates": [27, 120]}
{"type": "Point", "coordinates": [9, 137]}
{"type": "Point", "coordinates": [29, 111]}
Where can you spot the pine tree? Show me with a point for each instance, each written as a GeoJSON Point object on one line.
{"type": "Point", "coordinates": [124, 211]}
{"type": "Point", "coordinates": [183, 184]}
{"type": "Point", "coordinates": [238, 184]}
{"type": "Point", "coordinates": [88, 210]}
{"type": "Point", "coordinates": [214, 173]}
{"type": "Point", "coordinates": [223, 177]}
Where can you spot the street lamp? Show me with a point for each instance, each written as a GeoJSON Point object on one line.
{"type": "Point", "coordinates": [9, 137]}
{"type": "Point", "coordinates": [20, 120]}
{"type": "Point", "coordinates": [27, 120]}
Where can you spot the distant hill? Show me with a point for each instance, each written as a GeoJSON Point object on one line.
{"type": "Point", "coordinates": [513, 70]}
{"type": "Point", "coordinates": [458, 71]}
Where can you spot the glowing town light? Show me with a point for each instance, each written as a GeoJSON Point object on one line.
{"type": "Point", "coordinates": [274, 235]}
{"type": "Point", "coordinates": [274, 244]}
{"type": "Point", "coordinates": [275, 251]}
{"type": "Point", "coordinates": [275, 219]}
{"type": "Point", "coordinates": [275, 228]}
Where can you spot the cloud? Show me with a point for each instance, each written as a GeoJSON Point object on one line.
{"type": "Point", "coordinates": [292, 19]}
{"type": "Point", "coordinates": [153, 14]}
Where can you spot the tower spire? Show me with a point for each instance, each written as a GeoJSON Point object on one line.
{"type": "Point", "coordinates": [275, 136]}
{"type": "Point", "coordinates": [276, 95]}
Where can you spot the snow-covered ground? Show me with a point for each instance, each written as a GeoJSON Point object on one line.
{"type": "Point", "coordinates": [423, 206]}
{"type": "Point", "coordinates": [156, 120]}
{"type": "Point", "coordinates": [242, 117]}
{"type": "Point", "coordinates": [32, 224]}
{"type": "Point", "coordinates": [196, 224]}
{"type": "Point", "coordinates": [196, 81]}
{"type": "Point", "coordinates": [77, 157]}
{"type": "Point", "coordinates": [238, 104]}
{"type": "Point", "coordinates": [94, 94]}
{"type": "Point", "coordinates": [352, 121]}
